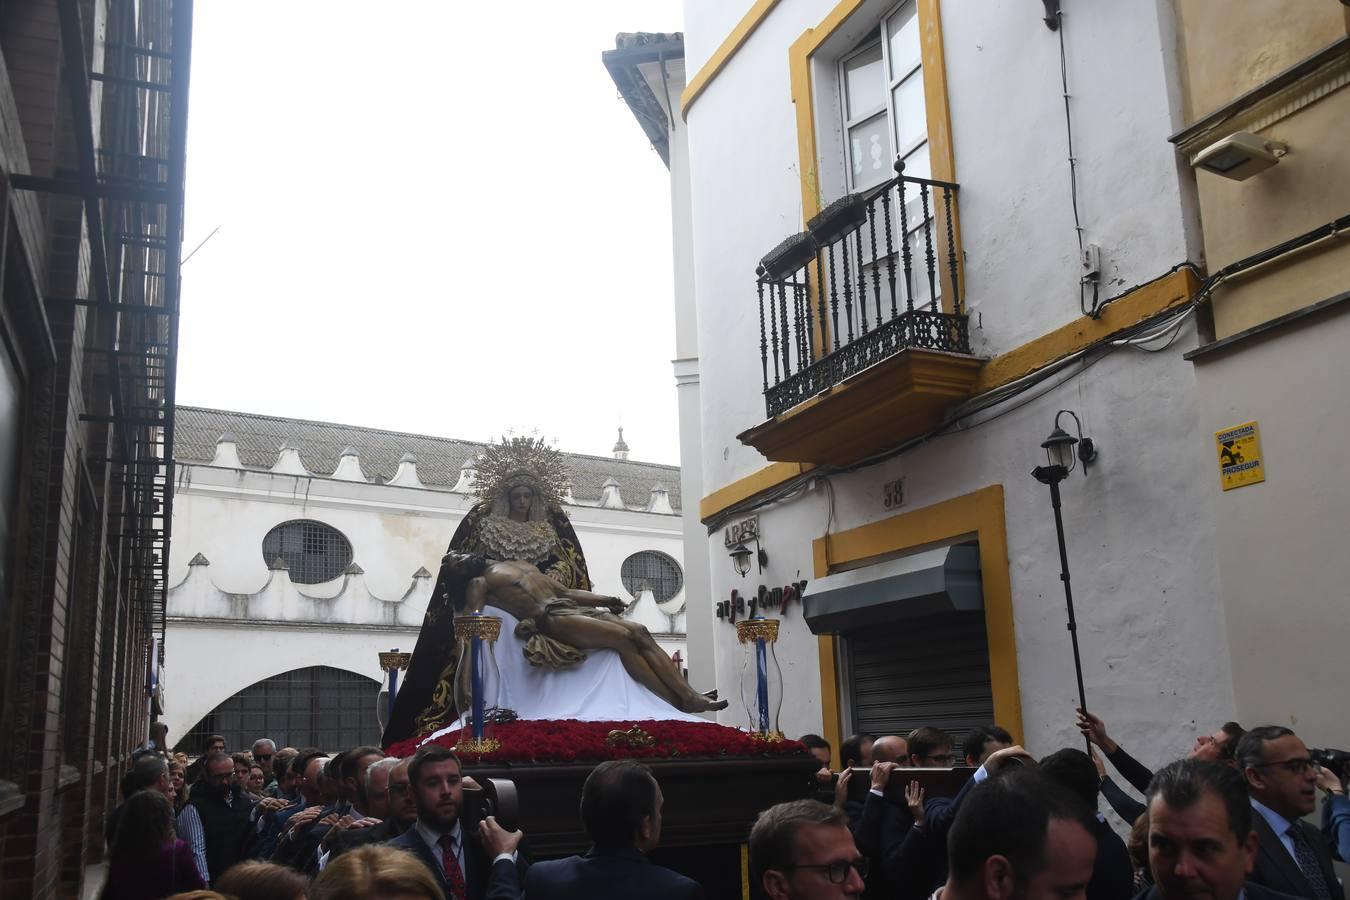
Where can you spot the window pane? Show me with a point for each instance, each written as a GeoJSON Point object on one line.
{"type": "Point", "coordinates": [903, 29]}
{"type": "Point", "coordinates": [864, 83]}
{"type": "Point", "coordinates": [869, 152]}
{"type": "Point", "coordinates": [910, 123]}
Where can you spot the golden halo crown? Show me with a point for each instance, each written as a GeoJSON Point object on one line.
{"type": "Point", "coordinates": [522, 460]}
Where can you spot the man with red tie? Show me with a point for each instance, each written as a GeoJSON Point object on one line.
{"type": "Point", "coordinates": [468, 866]}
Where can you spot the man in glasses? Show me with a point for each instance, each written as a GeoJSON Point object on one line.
{"type": "Point", "coordinates": [1293, 857]}
{"type": "Point", "coordinates": [387, 778]}
{"type": "Point", "coordinates": [803, 850]}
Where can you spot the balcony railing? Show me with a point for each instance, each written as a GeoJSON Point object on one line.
{"type": "Point", "coordinates": [871, 276]}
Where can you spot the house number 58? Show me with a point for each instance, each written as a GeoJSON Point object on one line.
{"type": "Point", "coordinates": [893, 493]}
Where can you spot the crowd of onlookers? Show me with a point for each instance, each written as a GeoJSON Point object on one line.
{"type": "Point", "coordinates": [1225, 823]}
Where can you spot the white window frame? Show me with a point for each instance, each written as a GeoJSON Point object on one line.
{"type": "Point", "coordinates": [892, 81]}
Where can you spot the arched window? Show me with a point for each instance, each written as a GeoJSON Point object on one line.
{"type": "Point", "coordinates": [654, 571]}
{"type": "Point", "coordinates": [314, 552]}
{"type": "Point", "coordinates": [316, 707]}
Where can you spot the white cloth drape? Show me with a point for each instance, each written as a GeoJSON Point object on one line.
{"type": "Point", "coordinates": [598, 690]}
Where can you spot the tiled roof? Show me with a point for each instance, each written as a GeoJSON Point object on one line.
{"type": "Point", "coordinates": [258, 439]}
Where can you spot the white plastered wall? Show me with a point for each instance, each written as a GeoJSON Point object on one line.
{"type": "Point", "coordinates": [1140, 543]}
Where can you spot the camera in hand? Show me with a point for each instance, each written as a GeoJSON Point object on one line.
{"type": "Point", "coordinates": [1335, 760]}
{"type": "Point", "coordinates": [494, 797]}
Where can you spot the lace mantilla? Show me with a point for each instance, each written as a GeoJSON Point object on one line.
{"type": "Point", "coordinates": [505, 538]}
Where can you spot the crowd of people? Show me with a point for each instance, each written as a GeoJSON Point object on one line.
{"type": "Point", "coordinates": [1224, 823]}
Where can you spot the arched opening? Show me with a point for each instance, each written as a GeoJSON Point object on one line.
{"type": "Point", "coordinates": [314, 707]}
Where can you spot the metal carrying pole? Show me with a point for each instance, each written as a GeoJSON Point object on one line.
{"type": "Point", "coordinates": [1068, 600]}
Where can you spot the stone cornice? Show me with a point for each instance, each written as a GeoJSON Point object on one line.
{"type": "Point", "coordinates": [1294, 89]}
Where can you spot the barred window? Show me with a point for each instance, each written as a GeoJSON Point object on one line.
{"type": "Point", "coordinates": [313, 551]}
{"type": "Point", "coordinates": [323, 707]}
{"type": "Point", "coordinates": [654, 571]}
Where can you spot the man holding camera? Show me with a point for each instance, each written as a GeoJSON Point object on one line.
{"type": "Point", "coordinates": [1282, 778]}
{"type": "Point", "coordinates": [468, 866]}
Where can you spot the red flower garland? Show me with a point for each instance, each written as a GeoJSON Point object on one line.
{"type": "Point", "coordinates": [567, 740]}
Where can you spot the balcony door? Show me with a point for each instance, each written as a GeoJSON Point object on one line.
{"type": "Point", "coordinates": [884, 118]}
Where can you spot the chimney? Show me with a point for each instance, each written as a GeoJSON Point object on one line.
{"type": "Point", "coordinates": [227, 453]}
{"type": "Point", "coordinates": [288, 461]}
{"type": "Point", "coordinates": [406, 476]}
{"type": "Point", "coordinates": [610, 498]}
{"type": "Point", "coordinates": [659, 502]}
{"type": "Point", "coordinates": [468, 473]}
{"type": "Point", "coordinates": [349, 467]}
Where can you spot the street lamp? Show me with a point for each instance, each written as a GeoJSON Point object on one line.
{"type": "Point", "coordinates": [741, 556]}
{"type": "Point", "coordinates": [1059, 454]}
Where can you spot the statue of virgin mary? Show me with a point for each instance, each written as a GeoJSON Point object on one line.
{"type": "Point", "coordinates": [520, 486]}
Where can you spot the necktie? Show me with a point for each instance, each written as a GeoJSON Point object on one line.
{"type": "Point", "coordinates": [1307, 863]}
{"type": "Point", "coordinates": [454, 875]}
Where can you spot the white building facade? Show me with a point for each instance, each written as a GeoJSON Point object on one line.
{"type": "Point", "coordinates": [303, 549]}
{"type": "Point", "coordinates": [898, 484]}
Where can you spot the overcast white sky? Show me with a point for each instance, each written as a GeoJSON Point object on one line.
{"type": "Point", "coordinates": [434, 217]}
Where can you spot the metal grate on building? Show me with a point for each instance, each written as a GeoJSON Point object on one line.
{"type": "Point", "coordinates": [315, 707]}
{"type": "Point", "coordinates": [314, 552]}
{"type": "Point", "coordinates": [650, 569]}
{"type": "Point", "coordinates": [927, 671]}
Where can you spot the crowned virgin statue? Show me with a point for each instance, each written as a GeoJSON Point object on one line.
{"type": "Point", "coordinates": [551, 663]}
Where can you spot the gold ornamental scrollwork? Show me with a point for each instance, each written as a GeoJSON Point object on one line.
{"type": "Point", "coordinates": [633, 737]}
{"type": "Point", "coordinates": [755, 629]}
{"type": "Point", "coordinates": [489, 628]}
{"type": "Point", "coordinates": [393, 660]}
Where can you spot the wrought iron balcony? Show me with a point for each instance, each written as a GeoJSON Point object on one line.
{"type": "Point", "coordinates": [874, 274]}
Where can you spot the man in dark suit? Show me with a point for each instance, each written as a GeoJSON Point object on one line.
{"type": "Point", "coordinates": [1113, 871]}
{"type": "Point", "coordinates": [482, 866]}
{"type": "Point", "coordinates": [1019, 837]}
{"type": "Point", "coordinates": [1201, 842]}
{"type": "Point", "coordinates": [621, 812]}
{"type": "Point", "coordinates": [1293, 857]}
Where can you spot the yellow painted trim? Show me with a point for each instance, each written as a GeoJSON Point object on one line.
{"type": "Point", "coordinates": [832, 727]}
{"type": "Point", "coordinates": [1144, 302]}
{"type": "Point", "coordinates": [768, 477]}
{"type": "Point", "coordinates": [979, 514]}
{"type": "Point", "coordinates": [724, 52]}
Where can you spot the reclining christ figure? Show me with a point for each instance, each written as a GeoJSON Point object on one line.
{"type": "Point", "coordinates": [559, 622]}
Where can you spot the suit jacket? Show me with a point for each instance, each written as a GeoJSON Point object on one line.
{"type": "Point", "coordinates": [483, 879]}
{"type": "Point", "coordinates": [608, 874]}
{"type": "Point", "coordinates": [1112, 870]}
{"type": "Point", "coordinates": [1275, 866]}
{"type": "Point", "coordinates": [1253, 892]}
{"type": "Point", "coordinates": [358, 837]}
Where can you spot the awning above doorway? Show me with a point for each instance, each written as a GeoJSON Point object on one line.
{"type": "Point", "coordinates": [945, 579]}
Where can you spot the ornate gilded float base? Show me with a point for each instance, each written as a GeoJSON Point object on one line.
{"type": "Point", "coordinates": [768, 737]}
{"type": "Point", "coordinates": [477, 746]}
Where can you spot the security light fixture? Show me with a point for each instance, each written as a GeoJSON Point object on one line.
{"type": "Point", "coordinates": [1240, 156]}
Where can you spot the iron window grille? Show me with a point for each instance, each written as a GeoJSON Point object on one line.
{"type": "Point", "coordinates": [654, 571]}
{"type": "Point", "coordinates": [314, 552]}
{"type": "Point", "coordinates": [318, 706]}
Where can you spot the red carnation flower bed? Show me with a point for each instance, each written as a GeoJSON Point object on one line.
{"type": "Point", "coordinates": [567, 740]}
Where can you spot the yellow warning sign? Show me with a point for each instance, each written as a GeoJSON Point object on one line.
{"type": "Point", "coordinates": [1240, 462]}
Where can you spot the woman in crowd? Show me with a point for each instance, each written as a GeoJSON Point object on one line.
{"type": "Point", "coordinates": [147, 860]}
{"type": "Point", "coordinates": [375, 872]}
{"type": "Point", "coordinates": [262, 881]}
{"type": "Point", "coordinates": [179, 781]}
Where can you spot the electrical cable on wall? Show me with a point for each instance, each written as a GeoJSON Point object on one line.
{"type": "Point", "coordinates": [1092, 310]}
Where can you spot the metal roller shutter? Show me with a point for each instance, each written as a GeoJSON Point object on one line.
{"type": "Point", "coordinates": [928, 671]}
